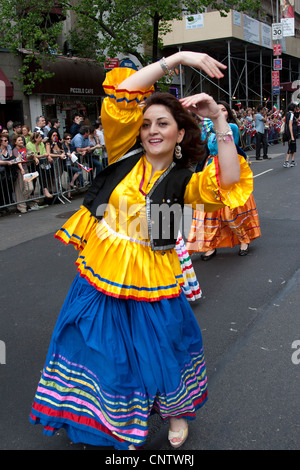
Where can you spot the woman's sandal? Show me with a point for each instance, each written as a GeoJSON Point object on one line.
{"type": "Point", "coordinates": [182, 435]}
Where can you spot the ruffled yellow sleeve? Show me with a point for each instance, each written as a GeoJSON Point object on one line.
{"type": "Point", "coordinates": [121, 114]}
{"type": "Point", "coordinates": [77, 229]}
{"type": "Point", "coordinates": [204, 188]}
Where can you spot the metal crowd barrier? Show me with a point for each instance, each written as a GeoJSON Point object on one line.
{"type": "Point", "coordinates": [60, 178]}
{"type": "Point", "coordinates": [249, 138]}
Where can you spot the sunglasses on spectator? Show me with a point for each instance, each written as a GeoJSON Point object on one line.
{"type": "Point", "coordinates": [4, 140]}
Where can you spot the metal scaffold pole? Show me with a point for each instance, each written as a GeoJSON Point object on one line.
{"type": "Point", "coordinates": [229, 73]}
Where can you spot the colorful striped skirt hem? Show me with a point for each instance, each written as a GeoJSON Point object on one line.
{"type": "Point", "coordinates": [113, 362]}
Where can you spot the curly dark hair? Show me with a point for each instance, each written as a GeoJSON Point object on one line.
{"type": "Point", "coordinates": [192, 147]}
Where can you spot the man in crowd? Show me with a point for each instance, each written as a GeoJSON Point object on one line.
{"type": "Point", "coordinates": [80, 142]}
{"type": "Point", "coordinates": [47, 127]}
{"type": "Point", "coordinates": [17, 128]}
{"type": "Point", "coordinates": [261, 135]}
{"type": "Point", "coordinates": [55, 124]}
{"type": "Point", "coordinates": [40, 124]}
{"type": "Point", "coordinates": [77, 122]}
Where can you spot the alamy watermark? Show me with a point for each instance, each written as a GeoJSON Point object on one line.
{"type": "Point", "coordinates": [296, 94]}
{"type": "Point", "coordinates": [296, 353]}
{"type": "Point", "coordinates": [2, 352]}
{"type": "Point", "coordinates": [131, 221]}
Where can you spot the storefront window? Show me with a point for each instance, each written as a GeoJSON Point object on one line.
{"type": "Point", "coordinates": [63, 107]}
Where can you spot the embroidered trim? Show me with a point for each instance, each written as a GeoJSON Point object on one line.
{"type": "Point", "coordinates": [129, 154]}
{"type": "Point", "coordinates": [148, 209]}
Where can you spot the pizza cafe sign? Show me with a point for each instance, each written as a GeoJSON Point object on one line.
{"type": "Point", "coordinates": [81, 91]}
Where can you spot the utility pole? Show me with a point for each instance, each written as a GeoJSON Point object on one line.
{"type": "Point", "coordinates": [277, 21]}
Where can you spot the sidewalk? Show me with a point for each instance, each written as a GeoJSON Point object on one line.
{"type": "Point", "coordinates": [19, 228]}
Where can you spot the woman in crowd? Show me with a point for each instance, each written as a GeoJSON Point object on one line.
{"type": "Point", "coordinates": [43, 162]}
{"type": "Point", "coordinates": [55, 151]}
{"type": "Point", "coordinates": [7, 171]}
{"type": "Point", "coordinates": [73, 171]}
{"type": "Point", "coordinates": [95, 151]}
{"type": "Point", "coordinates": [23, 188]}
{"type": "Point", "coordinates": [248, 127]}
{"type": "Point", "coordinates": [53, 146]}
{"type": "Point", "coordinates": [5, 132]}
{"type": "Point", "coordinates": [225, 227]}
{"type": "Point", "coordinates": [126, 343]}
{"type": "Point", "coordinates": [26, 133]}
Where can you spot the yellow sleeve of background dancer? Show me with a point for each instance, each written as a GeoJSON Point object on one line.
{"type": "Point", "coordinates": [204, 188]}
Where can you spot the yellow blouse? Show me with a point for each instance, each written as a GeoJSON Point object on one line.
{"type": "Point", "coordinates": [115, 253]}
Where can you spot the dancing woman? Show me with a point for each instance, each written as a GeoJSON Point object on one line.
{"type": "Point", "coordinates": [126, 343]}
{"type": "Point", "coordinates": [226, 227]}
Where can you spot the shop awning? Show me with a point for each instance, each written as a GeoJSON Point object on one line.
{"type": "Point", "coordinates": [6, 88]}
{"type": "Point", "coordinates": [72, 76]}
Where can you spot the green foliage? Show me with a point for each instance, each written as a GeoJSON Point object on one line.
{"type": "Point", "coordinates": [28, 27]}
{"type": "Point", "coordinates": [103, 28]}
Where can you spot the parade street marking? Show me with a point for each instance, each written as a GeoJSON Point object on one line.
{"type": "Point", "coordinates": [259, 174]}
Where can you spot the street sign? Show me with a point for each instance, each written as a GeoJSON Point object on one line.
{"type": "Point", "coordinates": [277, 31]}
{"type": "Point", "coordinates": [128, 63]}
{"type": "Point", "coordinates": [277, 49]}
{"type": "Point", "coordinates": [111, 63]}
{"type": "Point", "coordinates": [275, 78]}
{"type": "Point", "coordinates": [277, 64]}
{"type": "Point", "coordinates": [276, 90]}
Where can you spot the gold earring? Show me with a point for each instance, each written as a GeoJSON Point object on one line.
{"type": "Point", "coordinates": [178, 153]}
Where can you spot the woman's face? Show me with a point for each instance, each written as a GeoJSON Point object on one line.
{"type": "Point", "coordinates": [19, 142]}
{"type": "Point", "coordinates": [24, 131]}
{"type": "Point", "coordinates": [4, 141]}
{"type": "Point", "coordinates": [159, 132]}
{"type": "Point", "coordinates": [223, 110]}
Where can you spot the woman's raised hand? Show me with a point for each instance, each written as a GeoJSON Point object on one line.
{"type": "Point", "coordinates": [204, 62]}
{"type": "Point", "coordinates": [148, 75]}
{"type": "Point", "coordinates": [203, 105]}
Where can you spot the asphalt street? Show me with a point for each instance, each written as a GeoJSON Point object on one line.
{"type": "Point", "coordinates": [248, 314]}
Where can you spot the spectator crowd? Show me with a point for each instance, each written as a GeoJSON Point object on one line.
{"type": "Point", "coordinates": [36, 165]}
{"type": "Point", "coordinates": [273, 126]}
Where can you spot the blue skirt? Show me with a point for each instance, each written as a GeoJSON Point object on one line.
{"type": "Point", "coordinates": [112, 362]}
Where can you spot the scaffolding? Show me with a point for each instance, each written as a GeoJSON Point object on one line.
{"type": "Point", "coordinates": [248, 79]}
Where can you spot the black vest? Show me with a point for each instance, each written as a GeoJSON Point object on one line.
{"type": "Point", "coordinates": [164, 202]}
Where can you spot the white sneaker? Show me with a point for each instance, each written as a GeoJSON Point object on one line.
{"type": "Point", "coordinates": [286, 165]}
{"type": "Point", "coordinates": [293, 163]}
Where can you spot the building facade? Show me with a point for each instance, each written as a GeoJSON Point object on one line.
{"type": "Point", "coordinates": [245, 45]}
